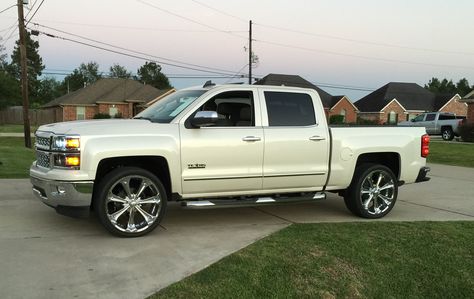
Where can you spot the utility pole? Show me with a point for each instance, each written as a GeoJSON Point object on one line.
{"type": "Point", "coordinates": [24, 74]}
{"type": "Point", "coordinates": [250, 52]}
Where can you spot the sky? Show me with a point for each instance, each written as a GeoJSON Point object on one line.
{"type": "Point", "coordinates": [345, 47]}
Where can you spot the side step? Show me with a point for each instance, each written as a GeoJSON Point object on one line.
{"type": "Point", "coordinates": [249, 202]}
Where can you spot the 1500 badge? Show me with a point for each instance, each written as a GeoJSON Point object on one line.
{"type": "Point", "coordinates": [196, 165]}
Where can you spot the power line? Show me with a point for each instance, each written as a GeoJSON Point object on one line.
{"type": "Point", "coordinates": [7, 8]}
{"type": "Point", "coordinates": [189, 19]}
{"type": "Point", "coordinates": [220, 11]}
{"type": "Point", "coordinates": [136, 52]}
{"type": "Point", "coordinates": [361, 41]}
{"type": "Point", "coordinates": [130, 55]}
{"type": "Point", "coordinates": [30, 9]}
{"type": "Point", "coordinates": [39, 6]}
{"type": "Point", "coordinates": [361, 56]}
{"type": "Point", "coordinates": [133, 51]}
{"type": "Point", "coordinates": [236, 75]}
{"type": "Point", "coordinates": [137, 28]}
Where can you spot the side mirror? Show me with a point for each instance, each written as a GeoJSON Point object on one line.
{"type": "Point", "coordinates": [204, 119]}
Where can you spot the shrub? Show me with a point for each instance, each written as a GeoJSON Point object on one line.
{"type": "Point", "coordinates": [367, 122]}
{"type": "Point", "coordinates": [466, 131]}
{"type": "Point", "coordinates": [336, 119]}
{"type": "Point", "coordinates": [101, 116]}
{"type": "Point", "coordinates": [118, 115]}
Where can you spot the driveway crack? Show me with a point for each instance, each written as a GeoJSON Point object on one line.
{"type": "Point", "coordinates": [439, 209]}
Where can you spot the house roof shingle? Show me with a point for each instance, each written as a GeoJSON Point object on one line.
{"type": "Point", "coordinates": [296, 81]}
{"type": "Point", "coordinates": [109, 90]}
{"type": "Point", "coordinates": [410, 95]}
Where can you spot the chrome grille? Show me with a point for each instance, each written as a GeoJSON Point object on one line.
{"type": "Point", "coordinates": [42, 159]}
{"type": "Point", "coordinates": [43, 142]}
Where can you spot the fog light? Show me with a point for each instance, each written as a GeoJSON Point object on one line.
{"type": "Point", "coordinates": [72, 161]}
{"type": "Point", "coordinates": [61, 189]}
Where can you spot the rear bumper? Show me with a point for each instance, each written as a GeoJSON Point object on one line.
{"type": "Point", "coordinates": [422, 175]}
{"type": "Point", "coordinates": [68, 198]}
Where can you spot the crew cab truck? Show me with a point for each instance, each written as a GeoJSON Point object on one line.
{"type": "Point", "coordinates": [437, 123]}
{"type": "Point", "coordinates": [225, 145]}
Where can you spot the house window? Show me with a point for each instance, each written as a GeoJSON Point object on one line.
{"type": "Point", "coordinates": [392, 118]}
{"type": "Point", "coordinates": [113, 111]}
{"type": "Point", "coordinates": [80, 113]}
{"type": "Point", "coordinates": [343, 113]}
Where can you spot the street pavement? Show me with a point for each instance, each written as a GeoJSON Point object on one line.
{"type": "Point", "coordinates": [46, 255]}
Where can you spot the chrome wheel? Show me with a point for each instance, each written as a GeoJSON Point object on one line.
{"type": "Point", "coordinates": [377, 192]}
{"type": "Point", "coordinates": [447, 134]}
{"type": "Point", "coordinates": [133, 203]}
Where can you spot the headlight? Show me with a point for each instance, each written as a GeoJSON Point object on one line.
{"type": "Point", "coordinates": [66, 143]}
{"type": "Point", "coordinates": [72, 161]}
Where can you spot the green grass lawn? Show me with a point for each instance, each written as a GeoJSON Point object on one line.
{"type": "Point", "coordinates": [344, 260]}
{"type": "Point", "coordinates": [15, 128]}
{"type": "Point", "coordinates": [15, 158]}
{"type": "Point", "coordinates": [451, 154]}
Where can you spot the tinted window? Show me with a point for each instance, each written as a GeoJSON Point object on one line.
{"type": "Point", "coordinates": [446, 116]}
{"type": "Point", "coordinates": [289, 109]}
{"type": "Point", "coordinates": [419, 117]}
{"type": "Point", "coordinates": [430, 117]}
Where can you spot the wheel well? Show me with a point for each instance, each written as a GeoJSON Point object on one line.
{"type": "Point", "coordinates": [154, 164]}
{"type": "Point", "coordinates": [446, 127]}
{"type": "Point", "coordinates": [391, 160]}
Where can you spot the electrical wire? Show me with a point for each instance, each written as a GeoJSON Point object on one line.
{"type": "Point", "coordinates": [220, 11]}
{"type": "Point", "coordinates": [237, 74]}
{"type": "Point", "coordinates": [130, 55]}
{"type": "Point", "coordinates": [361, 41]}
{"type": "Point", "coordinates": [190, 20]}
{"type": "Point", "coordinates": [133, 51]}
{"type": "Point", "coordinates": [39, 6]}
{"type": "Point", "coordinates": [7, 8]}
{"type": "Point", "coordinates": [361, 56]}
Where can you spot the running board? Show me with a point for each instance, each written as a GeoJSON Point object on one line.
{"type": "Point", "coordinates": [249, 202]}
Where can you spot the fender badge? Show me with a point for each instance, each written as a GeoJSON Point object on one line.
{"type": "Point", "coordinates": [196, 166]}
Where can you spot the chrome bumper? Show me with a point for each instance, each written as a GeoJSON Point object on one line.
{"type": "Point", "coordinates": [64, 195]}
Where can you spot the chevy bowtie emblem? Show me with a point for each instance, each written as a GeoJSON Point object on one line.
{"type": "Point", "coordinates": [195, 166]}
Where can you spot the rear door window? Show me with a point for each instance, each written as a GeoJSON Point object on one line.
{"type": "Point", "coordinates": [289, 109]}
{"type": "Point", "coordinates": [430, 116]}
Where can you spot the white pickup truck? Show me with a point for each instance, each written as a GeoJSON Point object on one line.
{"type": "Point", "coordinates": [437, 123]}
{"type": "Point", "coordinates": [221, 145]}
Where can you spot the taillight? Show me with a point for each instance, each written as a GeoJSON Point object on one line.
{"type": "Point", "coordinates": [425, 145]}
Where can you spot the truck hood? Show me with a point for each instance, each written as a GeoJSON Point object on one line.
{"type": "Point", "coordinates": [105, 127]}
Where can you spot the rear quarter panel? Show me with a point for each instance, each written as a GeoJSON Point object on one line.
{"type": "Point", "coordinates": [348, 144]}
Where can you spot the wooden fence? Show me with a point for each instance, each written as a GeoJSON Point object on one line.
{"type": "Point", "coordinates": [14, 115]}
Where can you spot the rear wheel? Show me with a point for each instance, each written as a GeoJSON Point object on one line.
{"type": "Point", "coordinates": [130, 202]}
{"type": "Point", "coordinates": [447, 133]}
{"type": "Point", "coordinates": [373, 191]}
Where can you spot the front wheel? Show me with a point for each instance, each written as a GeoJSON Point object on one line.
{"type": "Point", "coordinates": [130, 201]}
{"type": "Point", "coordinates": [373, 191]}
{"type": "Point", "coordinates": [447, 134]}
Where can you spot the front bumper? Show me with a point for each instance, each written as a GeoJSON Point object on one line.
{"type": "Point", "coordinates": [68, 198]}
{"type": "Point", "coordinates": [422, 175]}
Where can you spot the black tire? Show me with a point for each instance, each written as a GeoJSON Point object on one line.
{"type": "Point", "coordinates": [447, 133]}
{"type": "Point", "coordinates": [124, 212]}
{"type": "Point", "coordinates": [368, 199]}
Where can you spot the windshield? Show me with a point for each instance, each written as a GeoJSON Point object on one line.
{"type": "Point", "coordinates": [166, 109]}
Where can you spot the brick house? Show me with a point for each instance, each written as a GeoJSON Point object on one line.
{"type": "Point", "coordinates": [113, 96]}
{"type": "Point", "coordinates": [398, 101]}
{"type": "Point", "coordinates": [469, 100]}
{"type": "Point", "coordinates": [333, 105]}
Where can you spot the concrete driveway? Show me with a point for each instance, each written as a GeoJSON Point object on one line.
{"type": "Point", "coordinates": [46, 255]}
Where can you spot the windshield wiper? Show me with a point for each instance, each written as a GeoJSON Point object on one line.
{"type": "Point", "coordinates": [141, 117]}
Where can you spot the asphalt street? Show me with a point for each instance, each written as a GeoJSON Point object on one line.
{"type": "Point", "coordinates": [46, 255]}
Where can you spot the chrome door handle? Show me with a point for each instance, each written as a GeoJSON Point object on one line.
{"type": "Point", "coordinates": [251, 138]}
{"type": "Point", "coordinates": [316, 138]}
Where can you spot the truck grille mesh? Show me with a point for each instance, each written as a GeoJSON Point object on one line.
{"type": "Point", "coordinates": [43, 142]}
{"type": "Point", "coordinates": [42, 159]}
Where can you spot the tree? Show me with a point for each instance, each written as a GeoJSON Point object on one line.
{"type": "Point", "coordinates": [444, 86]}
{"type": "Point", "coordinates": [82, 76]}
{"type": "Point", "coordinates": [463, 87]}
{"type": "Point", "coordinates": [3, 56]}
{"type": "Point", "coordinates": [10, 94]}
{"type": "Point", "coordinates": [150, 73]}
{"type": "Point", "coordinates": [48, 90]}
{"type": "Point", "coordinates": [118, 71]}
{"type": "Point", "coordinates": [34, 64]}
